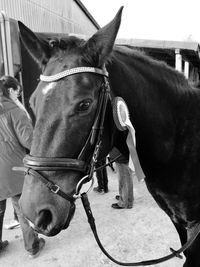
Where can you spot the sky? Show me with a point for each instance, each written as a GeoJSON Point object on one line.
{"type": "Point", "coordinates": [175, 20]}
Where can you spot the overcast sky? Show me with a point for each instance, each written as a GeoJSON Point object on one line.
{"type": "Point", "coordinates": [151, 19]}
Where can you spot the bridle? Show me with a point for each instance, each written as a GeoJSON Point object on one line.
{"type": "Point", "coordinates": [33, 165]}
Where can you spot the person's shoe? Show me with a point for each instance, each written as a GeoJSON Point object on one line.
{"type": "Point", "coordinates": [116, 206]}
{"type": "Point", "coordinates": [117, 197]}
{"type": "Point", "coordinates": [36, 252]}
{"type": "Point", "coordinates": [3, 245]}
{"type": "Point", "coordinates": [12, 225]}
{"type": "Point", "coordinates": [98, 190]}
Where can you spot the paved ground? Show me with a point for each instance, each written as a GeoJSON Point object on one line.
{"type": "Point", "coordinates": [141, 233]}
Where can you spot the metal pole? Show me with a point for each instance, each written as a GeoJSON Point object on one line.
{"type": "Point", "coordinates": [3, 39]}
{"type": "Point", "coordinates": [178, 62]}
{"type": "Point", "coordinates": [186, 69]}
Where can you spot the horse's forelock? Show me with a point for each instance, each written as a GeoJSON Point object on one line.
{"type": "Point", "coordinates": [67, 43]}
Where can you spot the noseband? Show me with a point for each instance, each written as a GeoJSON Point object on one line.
{"type": "Point", "coordinates": [36, 164]}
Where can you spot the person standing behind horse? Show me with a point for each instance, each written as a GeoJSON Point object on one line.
{"type": "Point", "coordinates": [125, 197]}
{"type": "Point", "coordinates": [102, 177]}
{"type": "Point", "coordinates": [15, 136]}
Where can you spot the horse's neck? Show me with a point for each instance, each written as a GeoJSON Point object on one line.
{"type": "Point", "coordinates": [140, 94]}
{"type": "Point", "coordinates": [152, 104]}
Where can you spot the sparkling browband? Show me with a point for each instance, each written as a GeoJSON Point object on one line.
{"type": "Point", "coordinates": [72, 71]}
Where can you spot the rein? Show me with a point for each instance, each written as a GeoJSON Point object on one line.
{"type": "Point", "coordinates": [33, 165]}
{"type": "Point", "coordinates": [175, 253]}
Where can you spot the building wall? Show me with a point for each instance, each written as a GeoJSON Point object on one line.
{"type": "Point", "coordinates": [63, 16]}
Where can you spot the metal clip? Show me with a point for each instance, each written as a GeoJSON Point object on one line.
{"type": "Point", "coordinates": [76, 196]}
{"type": "Point", "coordinates": [96, 152]}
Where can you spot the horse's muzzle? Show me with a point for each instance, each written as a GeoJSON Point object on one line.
{"type": "Point", "coordinates": [46, 223]}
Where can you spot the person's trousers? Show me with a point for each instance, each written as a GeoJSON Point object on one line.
{"type": "Point", "coordinates": [15, 216]}
{"type": "Point", "coordinates": [2, 212]}
{"type": "Point", "coordinates": [125, 185]}
{"type": "Point", "coordinates": [102, 176]}
{"type": "Point", "coordinates": [29, 235]}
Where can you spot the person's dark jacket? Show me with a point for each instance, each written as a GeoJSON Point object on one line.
{"type": "Point", "coordinates": [114, 153]}
{"type": "Point", "coordinates": [15, 135]}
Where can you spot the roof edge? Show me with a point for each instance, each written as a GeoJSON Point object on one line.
{"type": "Point", "coordinates": [85, 10]}
{"type": "Point", "coordinates": [164, 44]}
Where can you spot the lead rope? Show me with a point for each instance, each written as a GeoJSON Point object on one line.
{"type": "Point", "coordinates": [175, 253]}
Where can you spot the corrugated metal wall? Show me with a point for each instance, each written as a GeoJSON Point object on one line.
{"type": "Point", "coordinates": [64, 16]}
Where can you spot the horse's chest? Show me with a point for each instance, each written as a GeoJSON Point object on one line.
{"type": "Point", "coordinates": [172, 204]}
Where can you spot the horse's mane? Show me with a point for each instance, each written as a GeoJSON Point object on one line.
{"type": "Point", "coordinates": [154, 69]}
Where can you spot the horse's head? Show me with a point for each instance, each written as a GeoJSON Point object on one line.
{"type": "Point", "coordinates": [69, 110]}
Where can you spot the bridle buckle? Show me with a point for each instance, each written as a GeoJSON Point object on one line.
{"type": "Point", "coordinates": [54, 188]}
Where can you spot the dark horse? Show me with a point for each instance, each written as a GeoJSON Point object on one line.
{"type": "Point", "coordinates": [164, 110]}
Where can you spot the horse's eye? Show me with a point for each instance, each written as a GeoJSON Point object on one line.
{"type": "Point", "coordinates": [84, 105]}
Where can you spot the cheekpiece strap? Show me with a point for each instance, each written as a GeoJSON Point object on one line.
{"type": "Point", "coordinates": [72, 71]}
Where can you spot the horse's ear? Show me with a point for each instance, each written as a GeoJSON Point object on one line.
{"type": "Point", "coordinates": [38, 49]}
{"type": "Point", "coordinates": [100, 45]}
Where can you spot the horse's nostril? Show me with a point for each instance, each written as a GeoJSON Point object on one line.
{"type": "Point", "coordinates": [44, 219]}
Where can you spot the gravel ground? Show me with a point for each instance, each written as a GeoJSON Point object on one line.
{"type": "Point", "coordinates": [137, 234]}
